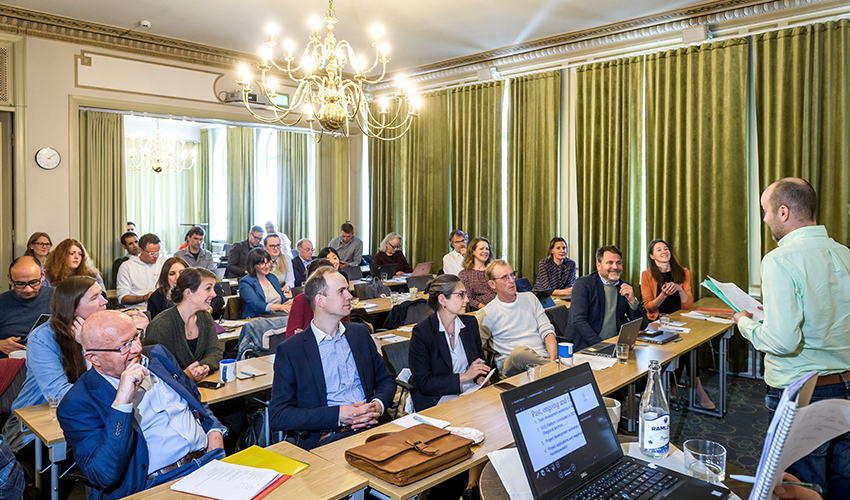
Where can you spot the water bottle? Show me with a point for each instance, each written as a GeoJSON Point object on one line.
{"type": "Point", "coordinates": [654, 416]}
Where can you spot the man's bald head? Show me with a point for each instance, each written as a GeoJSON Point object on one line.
{"type": "Point", "coordinates": [25, 274]}
{"type": "Point", "coordinates": [796, 194]}
{"type": "Point", "coordinates": [102, 328]}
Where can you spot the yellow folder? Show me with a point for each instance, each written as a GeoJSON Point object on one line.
{"type": "Point", "coordinates": [265, 459]}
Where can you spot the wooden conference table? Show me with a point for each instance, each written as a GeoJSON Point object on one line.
{"type": "Point", "coordinates": [483, 410]}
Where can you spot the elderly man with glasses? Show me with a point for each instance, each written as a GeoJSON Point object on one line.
{"type": "Point", "coordinates": [136, 419]}
{"type": "Point", "coordinates": [137, 278]}
{"type": "Point", "coordinates": [21, 306]}
{"type": "Point", "coordinates": [516, 323]}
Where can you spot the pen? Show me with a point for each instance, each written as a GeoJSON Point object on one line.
{"type": "Point", "coordinates": [243, 372]}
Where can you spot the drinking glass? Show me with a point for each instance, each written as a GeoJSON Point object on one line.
{"type": "Point", "coordinates": [394, 298]}
{"type": "Point", "coordinates": [534, 371]}
{"type": "Point", "coordinates": [622, 353]}
{"type": "Point", "coordinates": [705, 460]}
{"type": "Point", "coordinates": [53, 401]}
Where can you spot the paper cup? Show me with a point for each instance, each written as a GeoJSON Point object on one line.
{"type": "Point", "coordinates": [613, 407]}
{"type": "Point", "coordinates": [227, 370]}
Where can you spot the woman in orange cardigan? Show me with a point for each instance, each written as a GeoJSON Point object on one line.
{"type": "Point", "coordinates": [666, 288]}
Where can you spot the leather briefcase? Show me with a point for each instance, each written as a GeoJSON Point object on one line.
{"type": "Point", "coordinates": [410, 455]}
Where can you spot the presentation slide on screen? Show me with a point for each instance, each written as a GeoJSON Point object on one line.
{"type": "Point", "coordinates": [551, 429]}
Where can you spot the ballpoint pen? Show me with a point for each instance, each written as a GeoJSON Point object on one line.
{"type": "Point", "coordinates": [251, 375]}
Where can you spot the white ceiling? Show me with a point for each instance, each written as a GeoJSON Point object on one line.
{"type": "Point", "coordinates": [418, 33]}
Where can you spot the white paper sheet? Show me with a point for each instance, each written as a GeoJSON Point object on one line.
{"type": "Point", "coordinates": [232, 323]}
{"type": "Point", "coordinates": [739, 298]}
{"type": "Point", "coordinates": [408, 421]}
{"type": "Point", "coordinates": [246, 371]}
{"type": "Point", "coordinates": [405, 328]}
{"type": "Point", "coordinates": [392, 338]}
{"type": "Point", "coordinates": [706, 317]}
{"type": "Point", "coordinates": [596, 362]}
{"type": "Point", "coordinates": [222, 481]}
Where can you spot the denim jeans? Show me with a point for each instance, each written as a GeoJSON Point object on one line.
{"type": "Point", "coordinates": [829, 464]}
{"type": "Point", "coordinates": [187, 469]}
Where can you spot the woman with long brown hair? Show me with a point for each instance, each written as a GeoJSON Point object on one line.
{"type": "Point", "coordinates": [69, 258]}
{"type": "Point", "coordinates": [475, 261]}
{"type": "Point", "coordinates": [159, 299]}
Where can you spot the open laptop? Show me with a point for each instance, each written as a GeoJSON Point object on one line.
{"type": "Point", "coordinates": [628, 334]}
{"type": "Point", "coordinates": [388, 269]}
{"type": "Point", "coordinates": [422, 269]}
{"type": "Point", "coordinates": [353, 272]}
{"type": "Point", "coordinates": [42, 319]}
{"type": "Point", "coordinates": [569, 448]}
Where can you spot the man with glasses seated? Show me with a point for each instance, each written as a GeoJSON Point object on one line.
{"type": "Point", "coordinates": [134, 421]}
{"type": "Point", "coordinates": [237, 257]}
{"type": "Point", "coordinates": [137, 278]}
{"type": "Point", "coordinates": [516, 323]}
{"type": "Point", "coordinates": [21, 306]}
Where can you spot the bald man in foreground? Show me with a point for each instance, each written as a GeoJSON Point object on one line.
{"type": "Point", "coordinates": [135, 421]}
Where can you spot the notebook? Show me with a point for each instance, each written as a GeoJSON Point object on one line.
{"type": "Point", "coordinates": [628, 334]}
{"type": "Point", "coordinates": [569, 449]}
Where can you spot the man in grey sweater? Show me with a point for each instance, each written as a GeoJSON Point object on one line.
{"type": "Point", "coordinates": [516, 323]}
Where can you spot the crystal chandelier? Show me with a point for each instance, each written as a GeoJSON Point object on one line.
{"type": "Point", "coordinates": [158, 155]}
{"type": "Point", "coordinates": [331, 99]}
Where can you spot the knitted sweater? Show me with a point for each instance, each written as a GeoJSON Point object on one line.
{"type": "Point", "coordinates": [168, 330]}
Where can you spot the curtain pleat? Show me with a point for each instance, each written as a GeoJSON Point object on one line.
{"type": "Point", "coordinates": [802, 95]}
{"type": "Point", "coordinates": [331, 189]}
{"type": "Point", "coordinates": [476, 162]}
{"type": "Point", "coordinates": [533, 168]}
{"type": "Point", "coordinates": [609, 117]}
{"type": "Point", "coordinates": [386, 185]}
{"type": "Point", "coordinates": [203, 176]}
{"type": "Point", "coordinates": [292, 164]}
{"type": "Point", "coordinates": [241, 182]}
{"type": "Point", "coordinates": [103, 211]}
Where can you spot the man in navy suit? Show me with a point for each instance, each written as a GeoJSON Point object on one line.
{"type": "Point", "coordinates": [300, 261]}
{"type": "Point", "coordinates": [134, 421]}
{"type": "Point", "coordinates": [601, 302]}
{"type": "Point", "coordinates": [329, 379]}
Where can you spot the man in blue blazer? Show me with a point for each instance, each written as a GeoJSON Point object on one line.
{"type": "Point", "coordinates": [134, 421]}
{"type": "Point", "coordinates": [329, 379]}
{"type": "Point", "coordinates": [300, 261]}
{"type": "Point", "coordinates": [601, 302]}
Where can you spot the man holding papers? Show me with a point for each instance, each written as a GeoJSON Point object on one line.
{"type": "Point", "coordinates": [806, 292]}
{"type": "Point", "coordinates": [134, 421]}
{"type": "Point", "coordinates": [329, 379]}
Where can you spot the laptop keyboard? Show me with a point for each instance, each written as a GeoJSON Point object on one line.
{"type": "Point", "coordinates": [629, 481]}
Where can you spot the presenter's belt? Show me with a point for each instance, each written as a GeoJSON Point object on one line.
{"type": "Point", "coordinates": [180, 463]}
{"type": "Point", "coordinates": [835, 378]}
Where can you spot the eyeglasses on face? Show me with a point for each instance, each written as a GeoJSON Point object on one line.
{"type": "Point", "coordinates": [394, 246]}
{"type": "Point", "coordinates": [20, 285]}
{"type": "Point", "coordinates": [274, 246]}
{"type": "Point", "coordinates": [506, 278]}
{"type": "Point", "coordinates": [42, 244]}
{"type": "Point", "coordinates": [124, 348]}
{"type": "Point", "coordinates": [462, 294]}
{"type": "Point", "coordinates": [152, 254]}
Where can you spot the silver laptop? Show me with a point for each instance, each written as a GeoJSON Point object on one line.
{"type": "Point", "coordinates": [628, 334]}
{"type": "Point", "coordinates": [657, 337]}
{"type": "Point", "coordinates": [422, 269]}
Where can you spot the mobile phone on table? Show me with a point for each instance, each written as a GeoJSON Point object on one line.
{"type": "Point", "coordinates": [504, 385]}
{"type": "Point", "coordinates": [210, 385]}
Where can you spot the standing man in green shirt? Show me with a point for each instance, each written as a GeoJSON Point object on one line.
{"type": "Point", "coordinates": [806, 292]}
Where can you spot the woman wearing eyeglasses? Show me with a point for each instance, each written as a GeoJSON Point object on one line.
{"type": "Point", "coordinates": [187, 330]}
{"type": "Point", "coordinates": [446, 357]}
{"type": "Point", "coordinates": [474, 264]}
{"type": "Point", "coordinates": [38, 246]}
{"type": "Point", "coordinates": [69, 259]}
{"type": "Point", "coordinates": [54, 357]}
{"type": "Point", "coordinates": [260, 290]}
{"type": "Point", "coordinates": [159, 299]}
{"type": "Point", "coordinates": [281, 266]}
{"type": "Point", "coordinates": [391, 254]}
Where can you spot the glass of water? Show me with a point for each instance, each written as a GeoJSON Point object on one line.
{"type": "Point", "coordinates": [534, 371]}
{"type": "Point", "coordinates": [622, 353]}
{"type": "Point", "coordinates": [53, 401]}
{"type": "Point", "coordinates": [705, 460]}
{"type": "Point", "coordinates": [355, 301]}
{"type": "Point", "coordinates": [394, 298]}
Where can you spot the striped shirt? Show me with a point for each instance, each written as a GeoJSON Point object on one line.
{"type": "Point", "coordinates": [551, 275]}
{"type": "Point", "coordinates": [477, 288]}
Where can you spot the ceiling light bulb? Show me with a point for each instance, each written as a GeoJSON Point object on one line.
{"type": "Point", "coordinates": [271, 84]}
{"type": "Point", "coordinates": [384, 102]}
{"type": "Point", "coordinates": [377, 31]}
{"type": "Point", "coordinates": [358, 63]}
{"type": "Point", "coordinates": [385, 48]}
{"type": "Point", "coordinates": [265, 53]}
{"type": "Point", "coordinates": [290, 45]}
{"type": "Point", "coordinates": [416, 102]}
{"type": "Point", "coordinates": [315, 22]}
{"type": "Point", "coordinates": [243, 70]}
{"type": "Point", "coordinates": [309, 64]}
{"type": "Point", "coordinates": [400, 81]}
{"type": "Point", "coordinates": [272, 29]}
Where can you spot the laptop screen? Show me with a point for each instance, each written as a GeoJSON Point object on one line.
{"type": "Point", "coordinates": [562, 431]}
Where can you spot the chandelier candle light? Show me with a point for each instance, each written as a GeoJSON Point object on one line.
{"type": "Point", "coordinates": [338, 99]}
{"type": "Point", "coordinates": [158, 155]}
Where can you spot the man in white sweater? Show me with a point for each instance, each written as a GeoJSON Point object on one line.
{"type": "Point", "coordinates": [516, 322]}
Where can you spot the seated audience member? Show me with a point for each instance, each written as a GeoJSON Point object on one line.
{"type": "Point", "coordinates": [357, 389]}
{"type": "Point", "coordinates": [21, 306]}
{"type": "Point", "coordinates": [601, 302]}
{"type": "Point", "coordinates": [301, 314]}
{"type": "Point", "coordinates": [391, 254]}
{"type": "Point", "coordinates": [331, 255]}
{"type": "Point", "coordinates": [131, 227]}
{"type": "Point", "coordinates": [12, 481]}
{"type": "Point", "coordinates": [286, 243]}
{"type": "Point", "coordinates": [138, 277]}
{"type": "Point", "coordinates": [38, 246]}
{"type": "Point", "coordinates": [237, 258]}
{"type": "Point", "coordinates": [187, 330]}
{"type": "Point", "coordinates": [516, 323]}
{"type": "Point", "coordinates": [260, 290]}
{"type": "Point", "coordinates": [556, 270]}
{"type": "Point", "coordinates": [348, 247]}
{"type": "Point", "coordinates": [475, 262]}
{"type": "Point", "coordinates": [281, 261]}
{"type": "Point", "coordinates": [134, 421]}
{"type": "Point", "coordinates": [130, 242]}
{"type": "Point", "coordinates": [666, 288]}
{"type": "Point", "coordinates": [453, 261]}
{"type": "Point", "coordinates": [160, 299]}
{"type": "Point", "coordinates": [299, 262]}
{"type": "Point", "coordinates": [194, 254]}
{"type": "Point", "coordinates": [69, 259]}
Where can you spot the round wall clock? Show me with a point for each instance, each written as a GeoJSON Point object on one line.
{"type": "Point", "coordinates": [47, 158]}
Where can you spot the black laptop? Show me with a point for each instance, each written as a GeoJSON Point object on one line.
{"type": "Point", "coordinates": [569, 449]}
{"type": "Point", "coordinates": [352, 272]}
{"type": "Point", "coordinates": [628, 334]}
{"type": "Point", "coordinates": [388, 269]}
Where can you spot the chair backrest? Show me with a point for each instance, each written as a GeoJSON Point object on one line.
{"type": "Point", "coordinates": [297, 290]}
{"type": "Point", "coordinates": [523, 285]}
{"type": "Point", "coordinates": [225, 250]}
{"type": "Point", "coordinates": [417, 312]}
{"type": "Point", "coordinates": [395, 356]}
{"type": "Point", "coordinates": [367, 259]}
{"type": "Point", "coordinates": [294, 252]}
{"type": "Point", "coordinates": [559, 316]}
{"type": "Point", "coordinates": [7, 366]}
{"type": "Point", "coordinates": [420, 282]}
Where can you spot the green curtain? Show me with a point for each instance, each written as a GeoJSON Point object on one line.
{"type": "Point", "coordinates": [802, 95]}
{"type": "Point", "coordinates": [103, 210]}
{"type": "Point", "coordinates": [241, 182]}
{"type": "Point", "coordinates": [426, 199]}
{"type": "Point", "coordinates": [386, 185]}
{"type": "Point", "coordinates": [331, 189]}
{"type": "Point", "coordinates": [476, 161]}
{"type": "Point", "coordinates": [609, 148]}
{"type": "Point", "coordinates": [166, 203]}
{"type": "Point", "coordinates": [533, 168]}
{"type": "Point", "coordinates": [292, 162]}
{"type": "Point", "coordinates": [203, 166]}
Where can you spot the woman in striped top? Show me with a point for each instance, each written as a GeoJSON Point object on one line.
{"type": "Point", "coordinates": [556, 270]}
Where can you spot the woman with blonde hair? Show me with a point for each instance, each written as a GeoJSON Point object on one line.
{"type": "Point", "coordinates": [391, 254]}
{"type": "Point", "coordinates": [475, 262]}
{"type": "Point", "coordinates": [38, 246]}
{"type": "Point", "coordinates": [69, 259]}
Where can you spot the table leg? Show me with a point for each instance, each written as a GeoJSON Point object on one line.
{"type": "Point", "coordinates": [631, 421]}
{"type": "Point", "coordinates": [38, 461]}
{"type": "Point", "coordinates": [720, 411]}
{"type": "Point", "coordinates": [266, 429]}
{"type": "Point", "coordinates": [58, 452]}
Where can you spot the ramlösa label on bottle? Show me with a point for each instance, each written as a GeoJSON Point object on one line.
{"type": "Point", "coordinates": [657, 434]}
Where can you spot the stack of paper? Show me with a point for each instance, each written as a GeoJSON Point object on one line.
{"type": "Point", "coordinates": [255, 456]}
{"type": "Point", "coordinates": [734, 297]}
{"type": "Point", "coordinates": [226, 481]}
